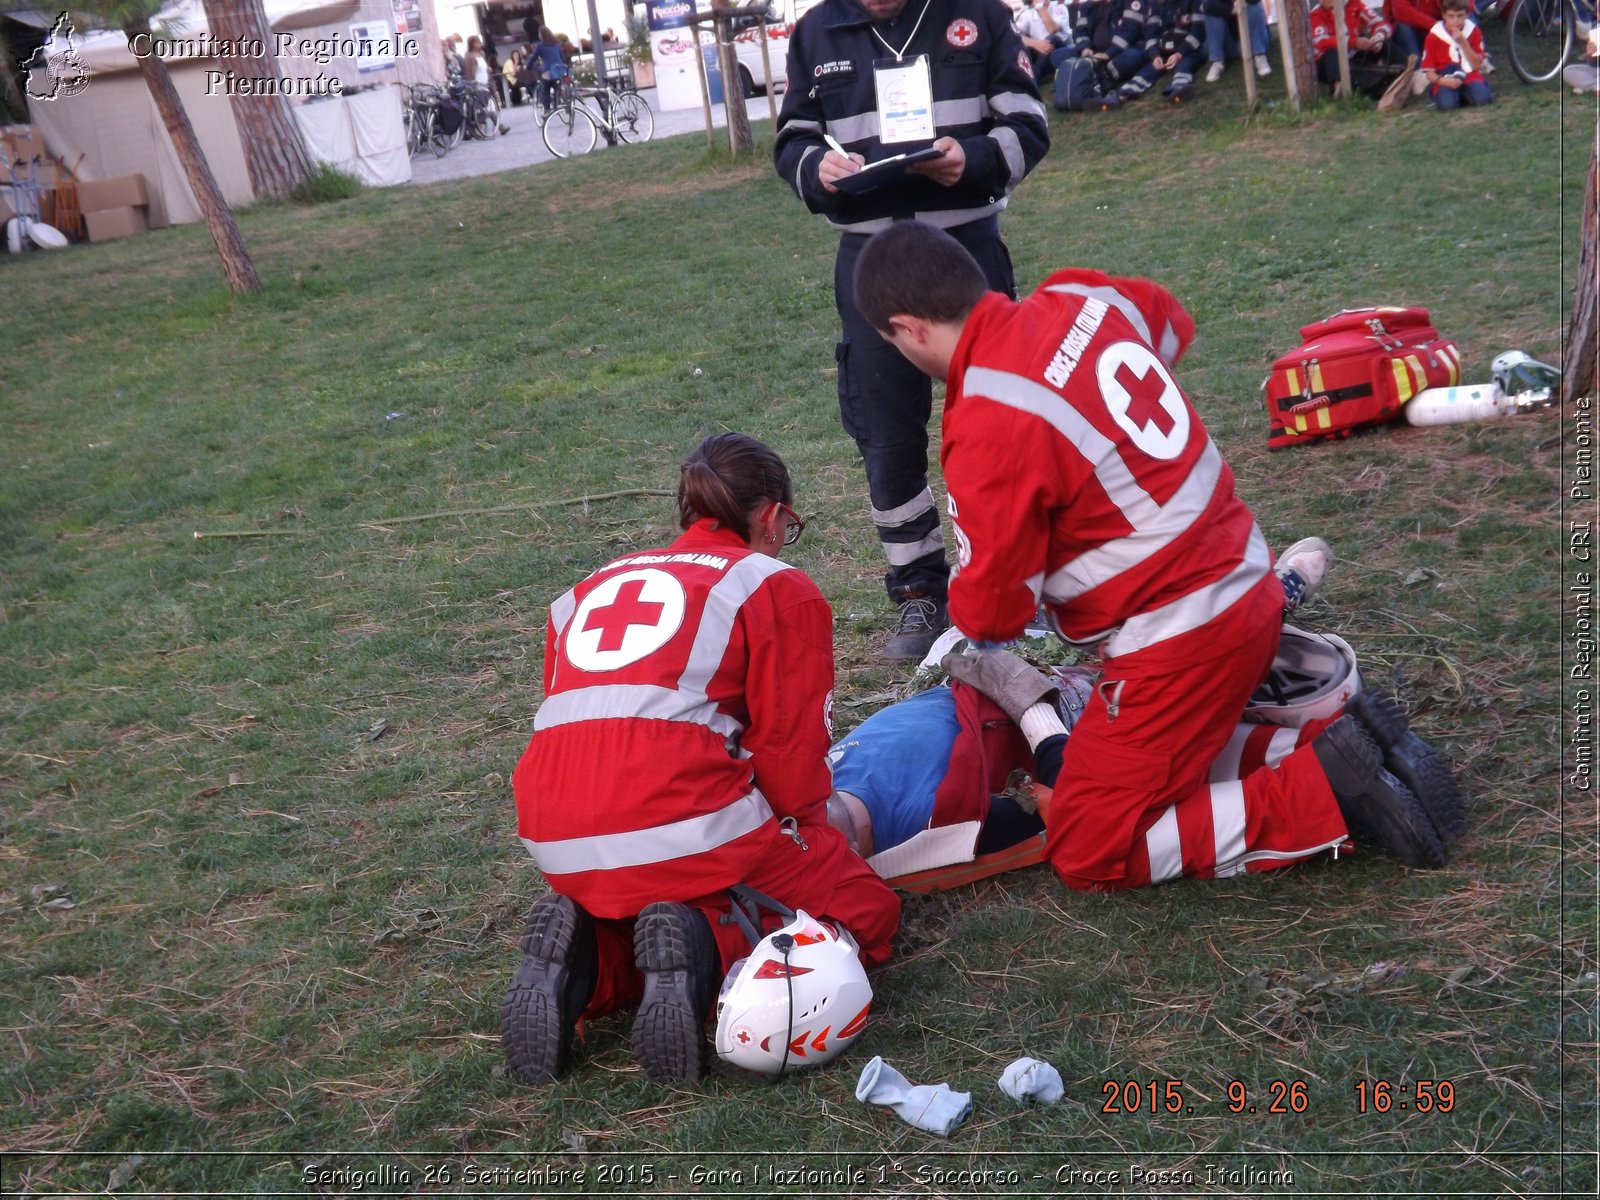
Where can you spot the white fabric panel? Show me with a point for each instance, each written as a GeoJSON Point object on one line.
{"type": "Point", "coordinates": [380, 137]}
{"type": "Point", "coordinates": [329, 137]}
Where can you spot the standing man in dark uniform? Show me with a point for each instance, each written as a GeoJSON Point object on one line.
{"type": "Point", "coordinates": [869, 80]}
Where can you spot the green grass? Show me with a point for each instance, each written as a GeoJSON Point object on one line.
{"type": "Point", "coordinates": [289, 938]}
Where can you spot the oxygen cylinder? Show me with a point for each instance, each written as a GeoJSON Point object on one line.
{"type": "Point", "coordinates": [1451, 405]}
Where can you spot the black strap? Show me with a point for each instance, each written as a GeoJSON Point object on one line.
{"type": "Point", "coordinates": [745, 911]}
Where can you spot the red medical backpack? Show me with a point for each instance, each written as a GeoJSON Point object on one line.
{"type": "Point", "coordinates": [1357, 368]}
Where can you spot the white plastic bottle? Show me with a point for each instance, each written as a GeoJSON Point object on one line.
{"type": "Point", "coordinates": [1451, 405]}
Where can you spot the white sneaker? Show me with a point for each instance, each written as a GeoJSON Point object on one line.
{"type": "Point", "coordinates": [1301, 569]}
{"type": "Point", "coordinates": [1263, 67]}
{"type": "Point", "coordinates": [1214, 72]}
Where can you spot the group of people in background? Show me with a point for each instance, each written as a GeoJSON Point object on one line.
{"type": "Point", "coordinates": [1105, 53]}
{"type": "Point", "coordinates": [527, 74]}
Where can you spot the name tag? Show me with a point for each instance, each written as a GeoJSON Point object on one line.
{"type": "Point", "coordinates": [905, 99]}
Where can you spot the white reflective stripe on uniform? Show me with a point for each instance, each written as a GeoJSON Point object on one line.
{"type": "Point", "coordinates": [1033, 583]}
{"type": "Point", "coordinates": [661, 843]}
{"type": "Point", "coordinates": [1227, 826]}
{"type": "Point", "coordinates": [1169, 522]}
{"type": "Point", "coordinates": [1009, 104]}
{"type": "Point", "coordinates": [1010, 146]}
{"type": "Point", "coordinates": [967, 110]}
{"type": "Point", "coordinates": [1188, 613]}
{"type": "Point", "coordinates": [1166, 345]}
{"type": "Point", "coordinates": [1226, 765]}
{"type": "Point", "coordinates": [1026, 395]}
{"type": "Point", "coordinates": [1283, 744]}
{"type": "Point", "coordinates": [943, 218]}
{"type": "Point", "coordinates": [800, 168]}
{"type": "Point", "coordinates": [1164, 847]}
{"type": "Point", "coordinates": [647, 701]}
{"type": "Point", "coordinates": [901, 513]}
{"type": "Point", "coordinates": [717, 618]}
{"type": "Point", "coordinates": [857, 127]}
{"type": "Point", "coordinates": [901, 554]}
{"type": "Point", "coordinates": [561, 611]}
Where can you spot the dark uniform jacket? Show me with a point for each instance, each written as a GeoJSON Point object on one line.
{"type": "Point", "coordinates": [983, 95]}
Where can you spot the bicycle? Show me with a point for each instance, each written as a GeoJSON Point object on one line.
{"type": "Point", "coordinates": [479, 109]}
{"type": "Point", "coordinates": [1540, 34]}
{"type": "Point", "coordinates": [420, 114]}
{"type": "Point", "coordinates": [572, 125]}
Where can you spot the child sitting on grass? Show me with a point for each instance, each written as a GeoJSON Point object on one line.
{"type": "Point", "coordinates": [1452, 59]}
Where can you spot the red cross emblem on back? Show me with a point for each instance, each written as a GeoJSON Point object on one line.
{"type": "Point", "coordinates": [614, 620]}
{"type": "Point", "coordinates": [1144, 399]}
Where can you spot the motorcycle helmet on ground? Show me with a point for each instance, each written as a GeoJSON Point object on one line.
{"type": "Point", "coordinates": [1312, 676]}
{"type": "Point", "coordinates": [1525, 378]}
{"type": "Point", "coordinates": [798, 1000]}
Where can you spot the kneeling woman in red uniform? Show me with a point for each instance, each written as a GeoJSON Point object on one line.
{"type": "Point", "coordinates": [681, 749]}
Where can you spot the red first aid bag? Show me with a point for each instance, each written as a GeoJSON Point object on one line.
{"type": "Point", "coordinates": [1355, 369]}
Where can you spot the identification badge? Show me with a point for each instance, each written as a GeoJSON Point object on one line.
{"type": "Point", "coordinates": [905, 99]}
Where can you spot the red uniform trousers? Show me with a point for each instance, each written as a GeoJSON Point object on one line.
{"type": "Point", "coordinates": [1134, 804]}
{"type": "Point", "coordinates": [827, 879]}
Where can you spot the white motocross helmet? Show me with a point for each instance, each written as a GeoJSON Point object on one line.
{"type": "Point", "coordinates": [1313, 675]}
{"type": "Point", "coordinates": [799, 999]}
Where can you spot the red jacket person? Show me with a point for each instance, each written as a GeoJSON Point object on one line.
{"type": "Point", "coordinates": [1082, 480]}
{"type": "Point", "coordinates": [681, 749]}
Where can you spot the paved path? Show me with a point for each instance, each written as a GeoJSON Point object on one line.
{"type": "Point", "coordinates": [522, 146]}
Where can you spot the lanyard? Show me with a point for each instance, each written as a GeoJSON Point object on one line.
{"type": "Point", "coordinates": [900, 54]}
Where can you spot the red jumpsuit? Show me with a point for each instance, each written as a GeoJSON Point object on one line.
{"type": "Point", "coordinates": [1080, 477]}
{"type": "Point", "coordinates": [687, 697]}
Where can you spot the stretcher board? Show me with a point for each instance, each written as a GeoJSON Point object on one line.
{"type": "Point", "coordinates": [925, 878]}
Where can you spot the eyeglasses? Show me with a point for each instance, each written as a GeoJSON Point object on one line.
{"type": "Point", "coordinates": [793, 526]}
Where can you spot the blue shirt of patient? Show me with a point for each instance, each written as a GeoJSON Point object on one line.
{"type": "Point", "coordinates": [895, 760]}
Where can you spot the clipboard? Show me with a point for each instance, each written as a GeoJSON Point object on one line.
{"type": "Point", "coordinates": [885, 170]}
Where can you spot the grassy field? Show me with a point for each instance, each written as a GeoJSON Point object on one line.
{"type": "Point", "coordinates": [261, 884]}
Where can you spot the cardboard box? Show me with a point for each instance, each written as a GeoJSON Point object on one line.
{"type": "Point", "coordinates": [115, 222]}
{"type": "Point", "coordinates": [120, 191]}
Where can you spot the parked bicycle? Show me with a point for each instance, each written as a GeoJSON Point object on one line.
{"type": "Point", "coordinates": [426, 122]}
{"type": "Point", "coordinates": [480, 110]}
{"type": "Point", "coordinates": [1540, 34]}
{"type": "Point", "coordinates": [573, 123]}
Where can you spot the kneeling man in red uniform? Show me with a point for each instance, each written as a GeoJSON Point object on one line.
{"type": "Point", "coordinates": [1081, 481]}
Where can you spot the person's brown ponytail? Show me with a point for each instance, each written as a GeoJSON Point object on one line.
{"type": "Point", "coordinates": [726, 476]}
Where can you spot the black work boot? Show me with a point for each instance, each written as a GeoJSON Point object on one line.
{"type": "Point", "coordinates": [1412, 761]}
{"type": "Point", "coordinates": [922, 620]}
{"type": "Point", "coordinates": [1377, 807]}
{"type": "Point", "coordinates": [674, 948]}
{"type": "Point", "coordinates": [556, 979]}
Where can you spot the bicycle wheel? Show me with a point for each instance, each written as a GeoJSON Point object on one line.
{"type": "Point", "coordinates": [632, 118]}
{"type": "Point", "coordinates": [486, 119]}
{"type": "Point", "coordinates": [440, 142]}
{"type": "Point", "coordinates": [569, 130]}
{"type": "Point", "coordinates": [1540, 38]}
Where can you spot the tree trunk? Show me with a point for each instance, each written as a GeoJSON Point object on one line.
{"type": "Point", "coordinates": [740, 143]}
{"type": "Point", "coordinates": [1579, 377]}
{"type": "Point", "coordinates": [236, 264]}
{"type": "Point", "coordinates": [274, 149]}
{"type": "Point", "coordinates": [1294, 37]}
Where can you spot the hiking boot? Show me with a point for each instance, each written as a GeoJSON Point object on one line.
{"type": "Point", "coordinates": [1377, 807]}
{"type": "Point", "coordinates": [541, 1009]}
{"type": "Point", "coordinates": [1412, 761]}
{"type": "Point", "coordinates": [1214, 72]}
{"type": "Point", "coordinates": [922, 620]}
{"type": "Point", "coordinates": [674, 949]}
{"type": "Point", "coordinates": [1181, 95]}
{"type": "Point", "coordinates": [1301, 569]}
{"type": "Point", "coordinates": [1007, 679]}
{"type": "Point", "coordinates": [1263, 67]}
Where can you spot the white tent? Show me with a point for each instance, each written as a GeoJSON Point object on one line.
{"type": "Point", "coordinates": [111, 127]}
